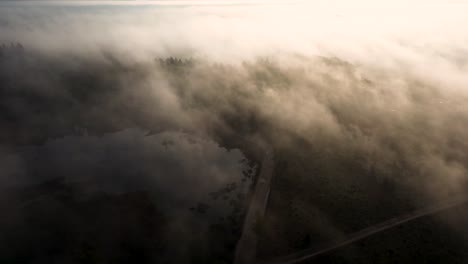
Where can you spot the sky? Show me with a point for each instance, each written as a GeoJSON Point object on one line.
{"type": "Point", "coordinates": [221, 29]}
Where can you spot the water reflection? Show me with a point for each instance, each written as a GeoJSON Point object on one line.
{"type": "Point", "coordinates": [199, 187]}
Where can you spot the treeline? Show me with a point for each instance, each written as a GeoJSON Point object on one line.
{"type": "Point", "coordinates": [11, 49]}
{"type": "Point", "coordinates": [173, 61]}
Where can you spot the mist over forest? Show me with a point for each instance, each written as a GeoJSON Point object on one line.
{"type": "Point", "coordinates": [142, 128]}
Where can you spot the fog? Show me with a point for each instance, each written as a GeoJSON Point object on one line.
{"type": "Point", "coordinates": [227, 29]}
{"type": "Point", "coordinates": [382, 85]}
{"type": "Point", "coordinates": [387, 80]}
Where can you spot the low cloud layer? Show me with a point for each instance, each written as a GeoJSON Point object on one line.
{"type": "Point", "coordinates": [378, 88]}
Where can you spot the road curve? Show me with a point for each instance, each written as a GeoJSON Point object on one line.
{"type": "Point", "coordinates": [311, 253]}
{"type": "Point", "coordinates": [247, 245]}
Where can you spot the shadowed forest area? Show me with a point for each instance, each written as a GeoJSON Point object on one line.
{"type": "Point", "coordinates": [354, 145]}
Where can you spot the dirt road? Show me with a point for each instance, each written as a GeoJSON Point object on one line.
{"type": "Point", "coordinates": [247, 245]}
{"type": "Point", "coordinates": [311, 253]}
